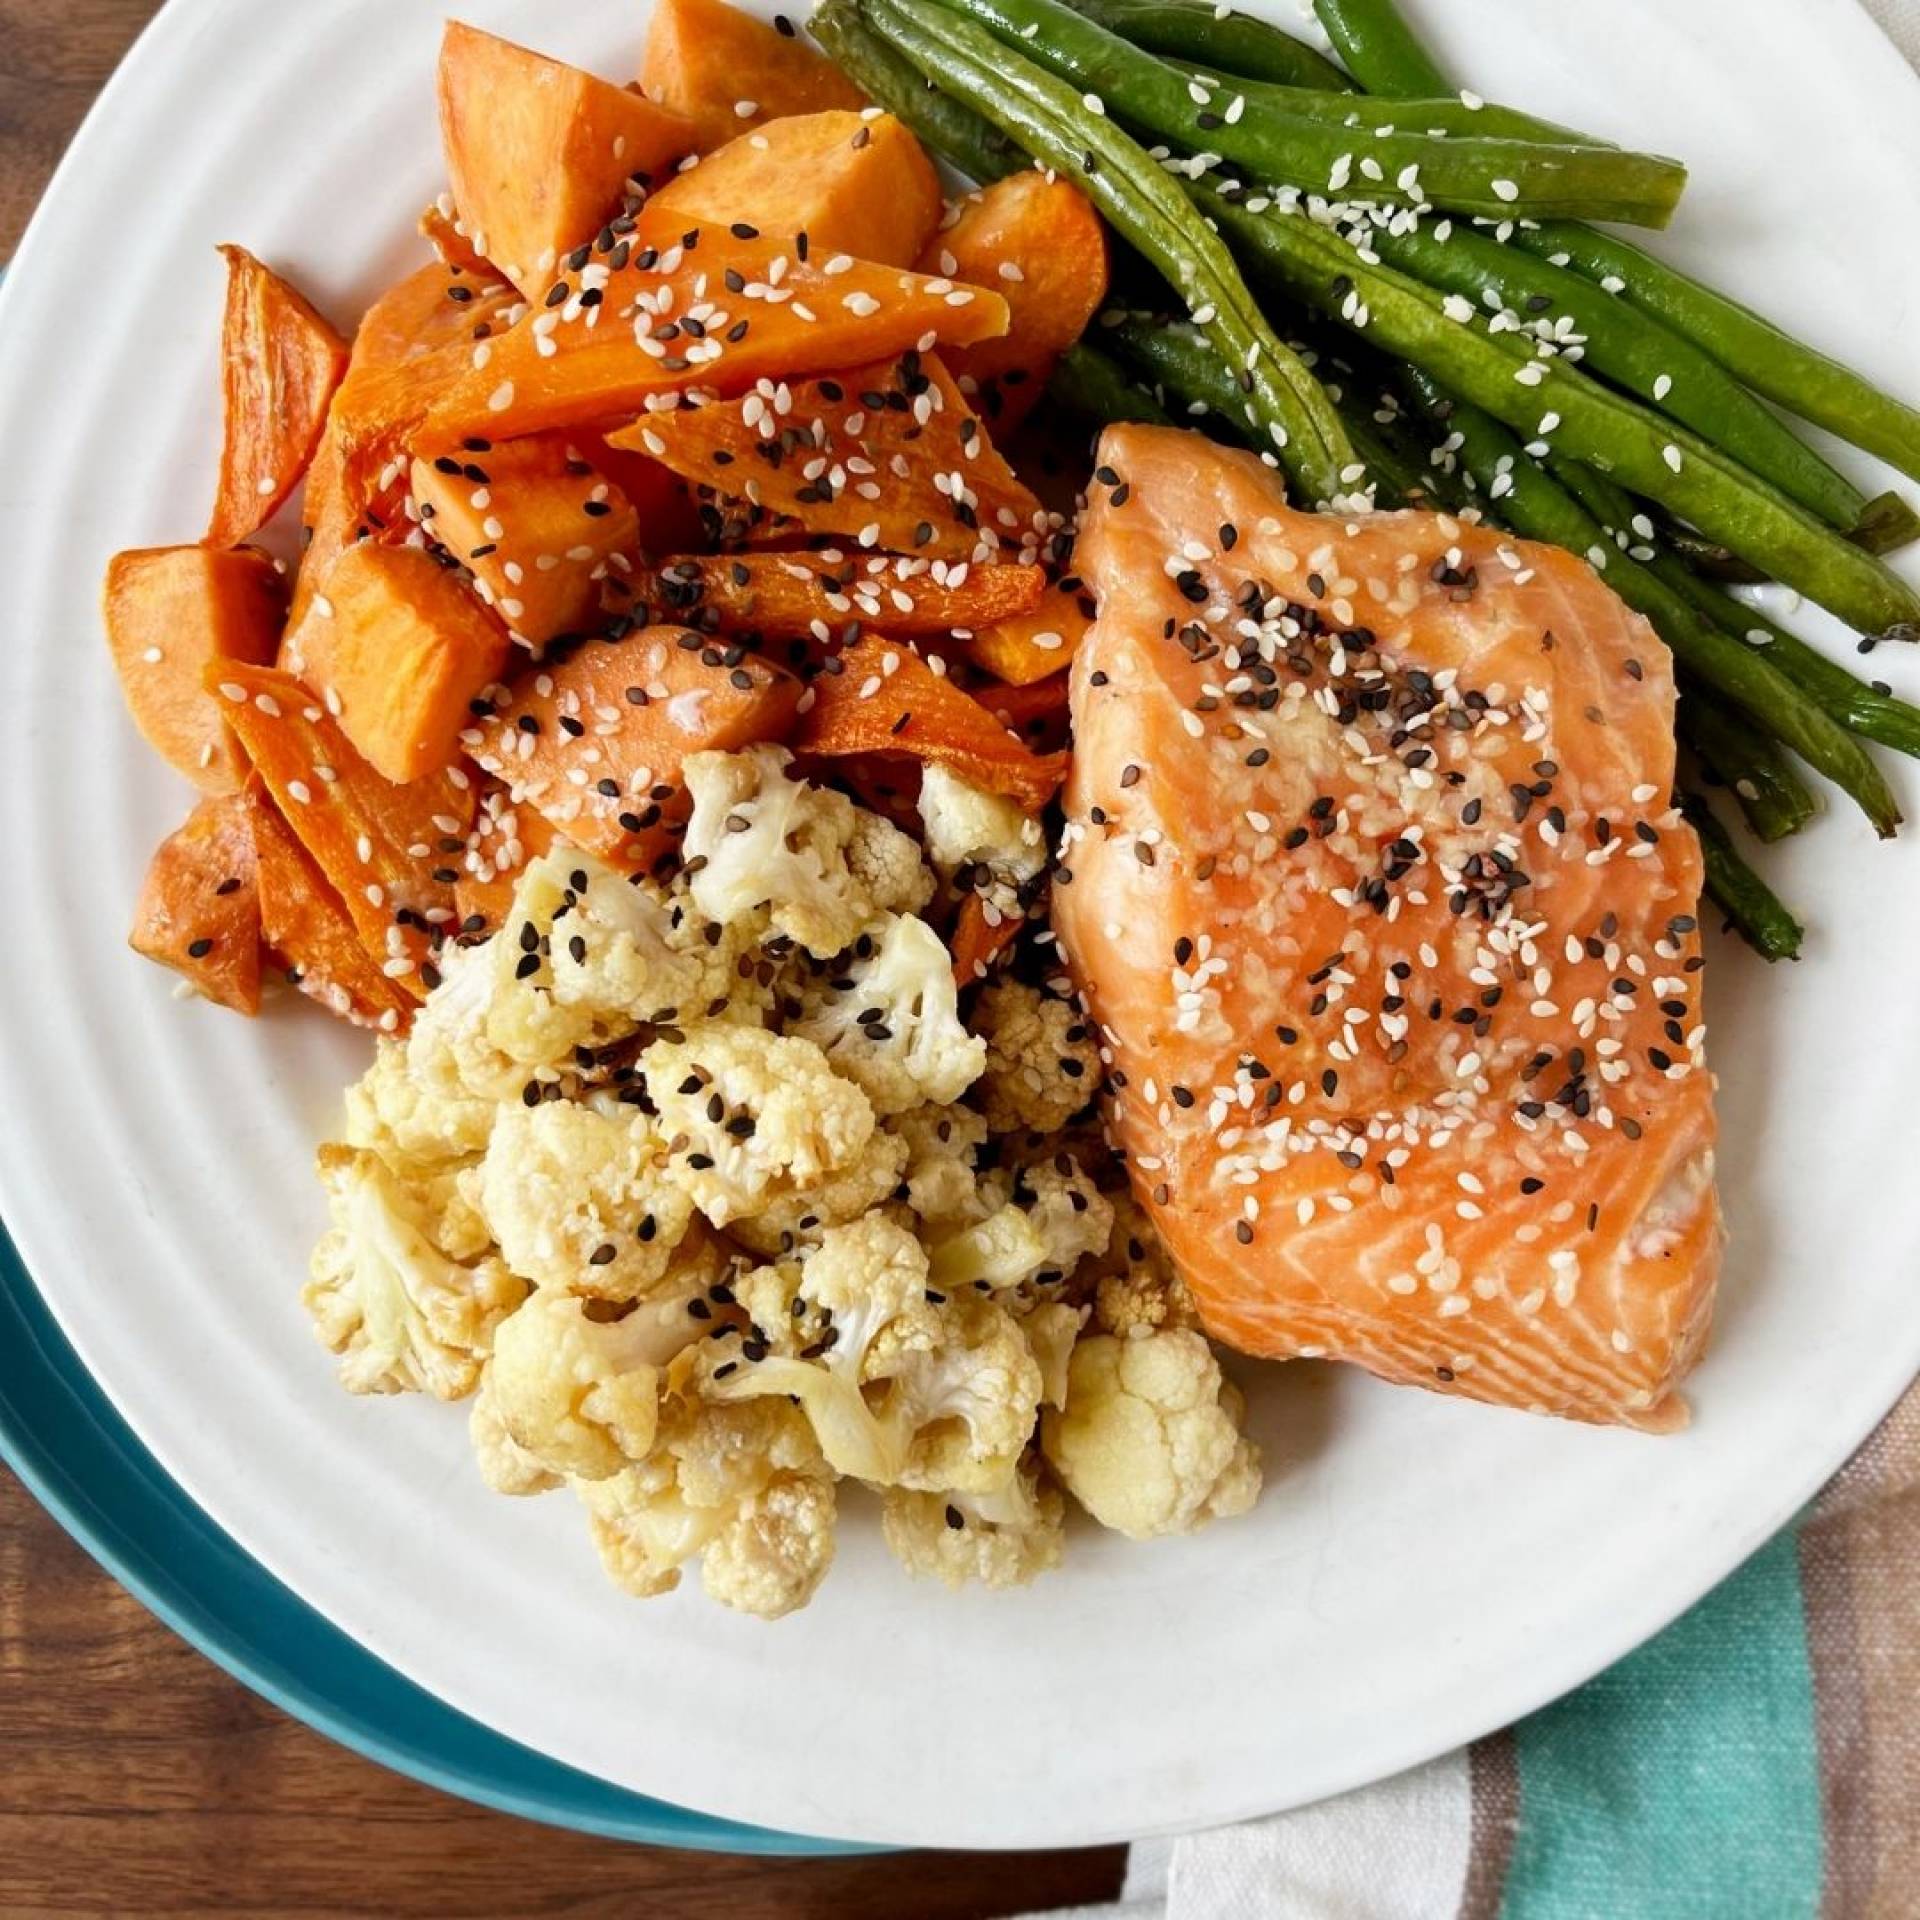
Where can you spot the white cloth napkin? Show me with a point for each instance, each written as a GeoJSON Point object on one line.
{"type": "Point", "coordinates": [1400, 1850]}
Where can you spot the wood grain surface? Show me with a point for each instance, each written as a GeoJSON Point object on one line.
{"type": "Point", "coordinates": [136, 1778]}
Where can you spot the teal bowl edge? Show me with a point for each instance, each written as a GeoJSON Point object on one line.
{"type": "Point", "coordinates": [83, 1463]}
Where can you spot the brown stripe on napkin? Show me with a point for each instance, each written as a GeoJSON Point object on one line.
{"type": "Point", "coordinates": [1493, 1772]}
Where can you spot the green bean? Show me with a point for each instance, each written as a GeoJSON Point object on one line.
{"type": "Point", "coordinates": [1765, 358]}
{"type": "Point", "coordinates": [1590, 423]}
{"type": "Point", "coordinates": [1096, 386]}
{"type": "Point", "coordinates": [1631, 349]}
{"type": "Point", "coordinates": [1238, 42]}
{"type": "Point", "coordinates": [1146, 207]}
{"type": "Point", "coordinates": [1447, 115]}
{"type": "Point", "coordinates": [959, 135]}
{"type": "Point", "coordinates": [1497, 178]}
{"type": "Point", "coordinates": [1751, 906]}
{"type": "Point", "coordinates": [1378, 48]}
{"type": "Point", "coordinates": [1534, 503]}
{"type": "Point", "coordinates": [1774, 798]}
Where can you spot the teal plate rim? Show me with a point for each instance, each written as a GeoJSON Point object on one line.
{"type": "Point", "coordinates": [83, 1463]}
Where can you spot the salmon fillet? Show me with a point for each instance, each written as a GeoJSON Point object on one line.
{"type": "Point", "coordinates": [1373, 880]}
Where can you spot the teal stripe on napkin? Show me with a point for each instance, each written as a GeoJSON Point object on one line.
{"type": "Point", "coordinates": [1685, 1780]}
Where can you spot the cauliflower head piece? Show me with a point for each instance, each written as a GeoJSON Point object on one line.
{"type": "Point", "coordinates": [395, 1113]}
{"type": "Point", "coordinates": [1042, 1062]}
{"type": "Point", "coordinates": [577, 1198]}
{"type": "Point", "coordinates": [402, 1315]}
{"type": "Point", "coordinates": [742, 1486]}
{"type": "Point", "coordinates": [801, 860]}
{"type": "Point", "coordinates": [796, 1221]}
{"type": "Point", "coordinates": [752, 1118]}
{"type": "Point", "coordinates": [979, 842]}
{"type": "Point", "coordinates": [505, 1465]}
{"type": "Point", "coordinates": [886, 1013]}
{"type": "Point", "coordinates": [1052, 1217]}
{"type": "Point", "coordinates": [1136, 1289]}
{"type": "Point", "coordinates": [1006, 1538]}
{"type": "Point", "coordinates": [904, 1386]}
{"type": "Point", "coordinates": [1149, 1441]}
{"type": "Point", "coordinates": [942, 1173]}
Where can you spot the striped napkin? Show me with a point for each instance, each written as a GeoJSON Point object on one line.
{"type": "Point", "coordinates": [1759, 1760]}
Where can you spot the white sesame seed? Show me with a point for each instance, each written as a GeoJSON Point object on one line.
{"type": "Point", "coordinates": [1504, 190]}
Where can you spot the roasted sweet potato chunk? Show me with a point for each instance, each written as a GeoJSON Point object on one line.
{"type": "Point", "coordinates": [537, 525]}
{"type": "Point", "coordinates": [726, 71]}
{"type": "Point", "coordinates": [596, 743]}
{"type": "Point", "coordinates": [887, 455]}
{"type": "Point", "coordinates": [1036, 714]}
{"type": "Point", "coordinates": [848, 183]}
{"type": "Point", "coordinates": [506, 835]}
{"type": "Point", "coordinates": [443, 230]}
{"type": "Point", "coordinates": [583, 361]}
{"type": "Point", "coordinates": [389, 851]}
{"type": "Point", "coordinates": [306, 924]}
{"type": "Point", "coordinates": [538, 152]}
{"type": "Point", "coordinates": [199, 910]}
{"type": "Point", "coordinates": [279, 365]}
{"type": "Point", "coordinates": [1037, 641]}
{"type": "Point", "coordinates": [825, 597]}
{"type": "Point", "coordinates": [978, 943]}
{"type": "Point", "coordinates": [171, 610]}
{"type": "Point", "coordinates": [1036, 239]}
{"type": "Point", "coordinates": [398, 646]}
{"type": "Point", "coordinates": [884, 698]}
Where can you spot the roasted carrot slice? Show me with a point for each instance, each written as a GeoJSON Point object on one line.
{"type": "Point", "coordinates": [878, 697]}
{"type": "Point", "coordinates": [596, 742]}
{"type": "Point", "coordinates": [199, 910]}
{"type": "Point", "coordinates": [888, 455]}
{"type": "Point", "coordinates": [573, 364]}
{"type": "Point", "coordinates": [662, 502]}
{"type": "Point", "coordinates": [304, 921]}
{"type": "Point", "coordinates": [1036, 239]}
{"type": "Point", "coordinates": [1037, 641]}
{"type": "Point", "coordinates": [978, 944]}
{"type": "Point", "coordinates": [389, 851]}
{"type": "Point", "coordinates": [1036, 713]}
{"type": "Point", "coordinates": [506, 835]}
{"type": "Point", "coordinates": [537, 525]}
{"type": "Point", "coordinates": [828, 596]}
{"type": "Point", "coordinates": [171, 610]}
{"type": "Point", "coordinates": [279, 365]}
{"type": "Point", "coordinates": [539, 152]}
{"type": "Point", "coordinates": [726, 71]}
{"type": "Point", "coordinates": [398, 647]}
{"type": "Point", "coordinates": [850, 183]}
{"type": "Point", "coordinates": [443, 230]}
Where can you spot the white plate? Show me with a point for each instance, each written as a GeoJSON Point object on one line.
{"type": "Point", "coordinates": [1419, 1571]}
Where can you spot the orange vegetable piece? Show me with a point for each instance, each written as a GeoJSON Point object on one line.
{"type": "Point", "coordinates": [1037, 713]}
{"type": "Point", "coordinates": [304, 922]}
{"type": "Point", "coordinates": [850, 184]}
{"type": "Point", "coordinates": [888, 455]}
{"type": "Point", "coordinates": [539, 152]}
{"type": "Point", "coordinates": [398, 646]}
{"type": "Point", "coordinates": [506, 836]}
{"type": "Point", "coordinates": [977, 945]}
{"type": "Point", "coordinates": [596, 742]}
{"type": "Point", "coordinates": [442, 228]}
{"type": "Point", "coordinates": [199, 910]}
{"type": "Point", "coordinates": [415, 338]}
{"type": "Point", "coordinates": [726, 70]}
{"type": "Point", "coordinates": [171, 610]}
{"type": "Point", "coordinates": [823, 596]}
{"type": "Point", "coordinates": [1038, 241]}
{"type": "Point", "coordinates": [878, 697]}
{"type": "Point", "coordinates": [662, 502]}
{"type": "Point", "coordinates": [279, 365]}
{"type": "Point", "coordinates": [609, 359]}
{"type": "Point", "coordinates": [389, 851]}
{"type": "Point", "coordinates": [536, 524]}
{"type": "Point", "coordinates": [1039, 640]}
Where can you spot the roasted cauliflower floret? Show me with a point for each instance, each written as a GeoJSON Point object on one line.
{"type": "Point", "coordinates": [448, 1049]}
{"type": "Point", "coordinates": [1001, 1539]}
{"type": "Point", "coordinates": [818, 868]}
{"type": "Point", "coordinates": [797, 1221]}
{"type": "Point", "coordinates": [742, 1485]}
{"type": "Point", "coordinates": [578, 1391]}
{"type": "Point", "coordinates": [1052, 1217]}
{"type": "Point", "coordinates": [942, 1173]}
{"type": "Point", "coordinates": [886, 1014]}
{"type": "Point", "coordinates": [980, 843]}
{"type": "Point", "coordinates": [1042, 1060]}
{"type": "Point", "coordinates": [505, 1465]}
{"type": "Point", "coordinates": [904, 1385]}
{"type": "Point", "coordinates": [752, 1118]}
{"type": "Point", "coordinates": [1051, 1327]}
{"type": "Point", "coordinates": [1149, 1441]}
{"type": "Point", "coordinates": [577, 1199]}
{"type": "Point", "coordinates": [1074, 1217]}
{"type": "Point", "coordinates": [1136, 1289]}
{"type": "Point", "coordinates": [402, 1316]}
{"type": "Point", "coordinates": [405, 1120]}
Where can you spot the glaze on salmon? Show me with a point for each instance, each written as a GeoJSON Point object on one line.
{"type": "Point", "coordinates": [1375, 884]}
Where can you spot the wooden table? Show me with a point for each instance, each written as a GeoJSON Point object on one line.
{"type": "Point", "coordinates": [136, 1778]}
